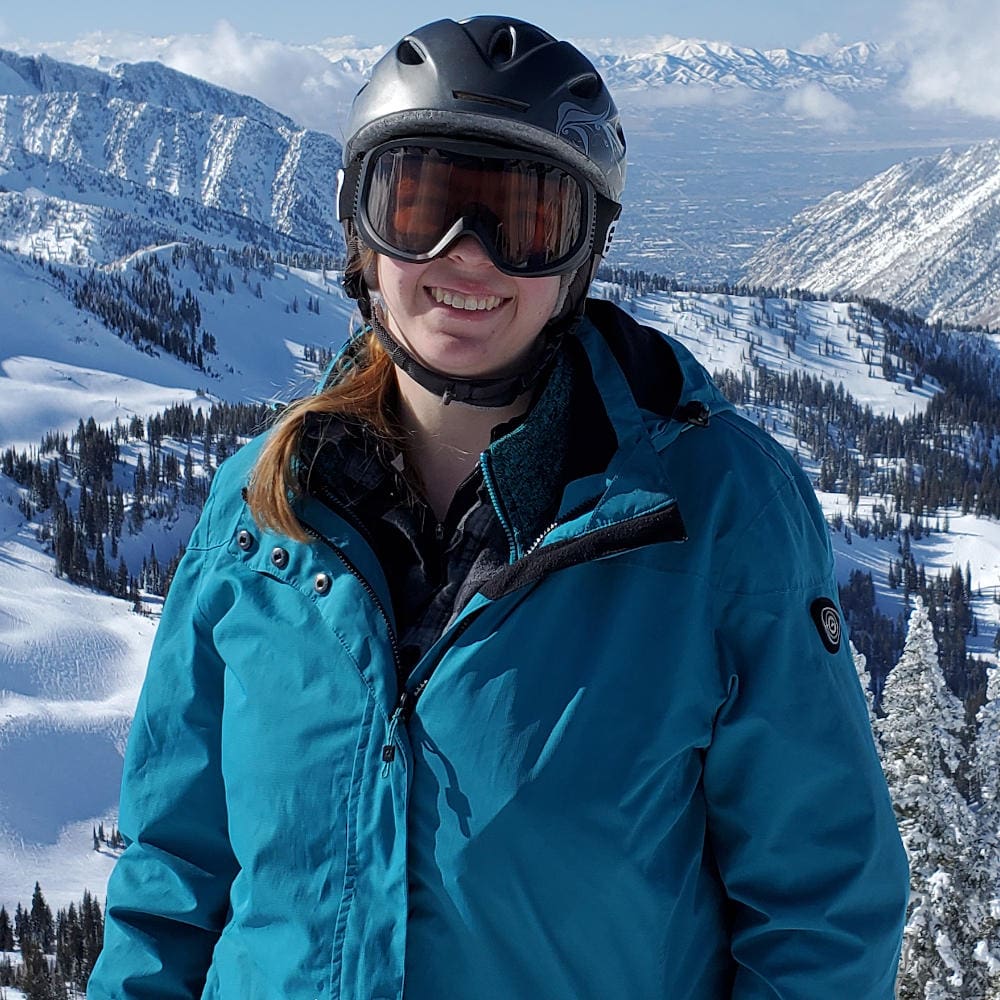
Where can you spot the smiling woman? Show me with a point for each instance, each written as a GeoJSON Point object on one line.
{"type": "Point", "coordinates": [457, 313]}
{"type": "Point", "coordinates": [509, 664]}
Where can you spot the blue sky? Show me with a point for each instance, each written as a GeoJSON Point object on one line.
{"type": "Point", "coordinates": [761, 24]}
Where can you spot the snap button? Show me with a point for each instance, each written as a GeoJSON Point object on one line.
{"type": "Point", "coordinates": [279, 557]}
{"type": "Point", "coordinates": [245, 540]}
{"type": "Point", "coordinates": [322, 583]}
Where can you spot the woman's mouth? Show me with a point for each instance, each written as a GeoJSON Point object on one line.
{"type": "Point", "coordinates": [466, 301]}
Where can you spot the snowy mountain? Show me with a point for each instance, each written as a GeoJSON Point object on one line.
{"type": "Point", "coordinates": [922, 235]}
{"type": "Point", "coordinates": [153, 142]}
{"type": "Point", "coordinates": [726, 143]}
{"type": "Point", "coordinates": [852, 68]}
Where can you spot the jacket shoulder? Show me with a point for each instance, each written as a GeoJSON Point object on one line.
{"type": "Point", "coordinates": [731, 479]}
{"type": "Point", "coordinates": [226, 503]}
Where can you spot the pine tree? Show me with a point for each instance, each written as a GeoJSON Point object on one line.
{"type": "Point", "coordinates": [6, 931]}
{"type": "Point", "coordinates": [92, 929]}
{"type": "Point", "coordinates": [921, 755]}
{"type": "Point", "coordinates": [37, 981]}
{"type": "Point", "coordinates": [22, 928]}
{"type": "Point", "coordinates": [42, 924]}
{"type": "Point", "coordinates": [69, 945]}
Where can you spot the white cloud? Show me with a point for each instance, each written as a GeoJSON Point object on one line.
{"type": "Point", "coordinates": [824, 44]}
{"type": "Point", "coordinates": [953, 46]}
{"type": "Point", "coordinates": [301, 81]}
{"type": "Point", "coordinates": [98, 48]}
{"type": "Point", "coordinates": [688, 95]}
{"type": "Point", "coordinates": [628, 47]}
{"type": "Point", "coordinates": [816, 102]}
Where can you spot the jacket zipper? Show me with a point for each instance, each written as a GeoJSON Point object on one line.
{"type": "Point", "coordinates": [497, 506]}
{"type": "Point", "coordinates": [404, 709]}
{"type": "Point", "coordinates": [408, 699]}
{"type": "Point", "coordinates": [570, 515]}
{"type": "Point", "coordinates": [361, 578]}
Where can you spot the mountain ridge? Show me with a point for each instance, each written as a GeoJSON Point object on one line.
{"type": "Point", "coordinates": [146, 136]}
{"type": "Point", "coordinates": [922, 235]}
{"type": "Point", "coordinates": [861, 66]}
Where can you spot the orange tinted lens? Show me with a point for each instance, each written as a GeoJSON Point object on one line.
{"type": "Point", "coordinates": [531, 212]}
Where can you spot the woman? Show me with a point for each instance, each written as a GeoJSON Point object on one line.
{"type": "Point", "coordinates": [509, 665]}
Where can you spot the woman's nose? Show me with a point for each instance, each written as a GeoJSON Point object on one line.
{"type": "Point", "coordinates": [468, 250]}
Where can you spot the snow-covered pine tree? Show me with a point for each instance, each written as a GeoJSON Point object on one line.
{"type": "Point", "coordinates": [987, 871]}
{"type": "Point", "coordinates": [921, 753]}
{"type": "Point", "coordinates": [865, 679]}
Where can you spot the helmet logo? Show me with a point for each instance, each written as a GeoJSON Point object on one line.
{"type": "Point", "coordinates": [583, 127]}
{"type": "Point", "coordinates": [596, 135]}
{"type": "Point", "coordinates": [609, 238]}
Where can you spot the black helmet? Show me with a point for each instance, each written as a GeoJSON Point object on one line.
{"type": "Point", "coordinates": [498, 81]}
{"type": "Point", "coordinates": [493, 78]}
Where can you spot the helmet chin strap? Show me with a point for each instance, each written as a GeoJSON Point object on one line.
{"type": "Point", "coordinates": [487, 393]}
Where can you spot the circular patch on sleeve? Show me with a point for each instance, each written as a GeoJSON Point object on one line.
{"type": "Point", "coordinates": [827, 620]}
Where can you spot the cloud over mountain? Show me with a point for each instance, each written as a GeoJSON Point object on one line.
{"type": "Point", "coordinates": [312, 84]}
{"type": "Point", "coordinates": [817, 103]}
{"type": "Point", "coordinates": [954, 45]}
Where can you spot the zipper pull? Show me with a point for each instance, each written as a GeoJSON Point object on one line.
{"type": "Point", "coordinates": [389, 750]}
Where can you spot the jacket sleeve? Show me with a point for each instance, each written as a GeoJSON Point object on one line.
{"type": "Point", "coordinates": [168, 894]}
{"type": "Point", "coordinates": [800, 820]}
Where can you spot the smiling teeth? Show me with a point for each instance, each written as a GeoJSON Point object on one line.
{"type": "Point", "coordinates": [458, 301]}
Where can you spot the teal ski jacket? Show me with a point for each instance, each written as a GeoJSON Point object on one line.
{"type": "Point", "coordinates": [638, 766]}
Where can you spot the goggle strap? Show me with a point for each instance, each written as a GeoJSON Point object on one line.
{"type": "Point", "coordinates": [348, 194]}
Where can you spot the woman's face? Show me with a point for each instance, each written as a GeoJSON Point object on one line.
{"type": "Point", "coordinates": [458, 315]}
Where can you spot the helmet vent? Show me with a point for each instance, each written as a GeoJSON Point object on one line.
{"type": "Point", "coordinates": [587, 86]}
{"type": "Point", "coordinates": [409, 53]}
{"type": "Point", "coordinates": [502, 45]}
{"type": "Point", "coordinates": [500, 102]}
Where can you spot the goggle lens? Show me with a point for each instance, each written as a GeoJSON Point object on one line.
{"type": "Point", "coordinates": [529, 214]}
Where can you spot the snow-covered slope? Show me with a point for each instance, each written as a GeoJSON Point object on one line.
{"type": "Point", "coordinates": [145, 136]}
{"type": "Point", "coordinates": [922, 235]}
{"type": "Point", "coordinates": [72, 660]}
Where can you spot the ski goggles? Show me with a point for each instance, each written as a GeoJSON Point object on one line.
{"type": "Point", "coordinates": [534, 216]}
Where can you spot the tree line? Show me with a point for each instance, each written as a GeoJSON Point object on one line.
{"type": "Point", "coordinates": [88, 498]}
{"type": "Point", "coordinates": [55, 955]}
{"type": "Point", "coordinates": [143, 309]}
